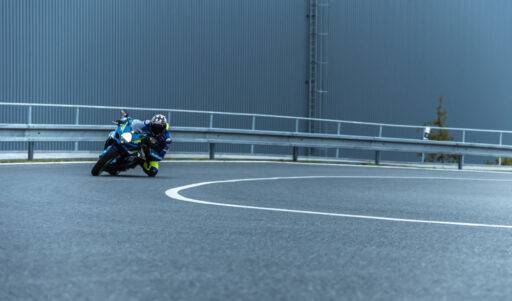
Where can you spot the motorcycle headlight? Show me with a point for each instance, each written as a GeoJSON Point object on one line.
{"type": "Point", "coordinates": [126, 137]}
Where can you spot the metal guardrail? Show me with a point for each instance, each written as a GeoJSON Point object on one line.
{"type": "Point", "coordinates": [295, 138]}
{"type": "Point", "coordinates": [379, 126]}
{"type": "Point", "coordinates": [212, 136]}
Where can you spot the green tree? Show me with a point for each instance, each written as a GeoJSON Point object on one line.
{"type": "Point", "coordinates": [504, 162]}
{"type": "Point", "coordinates": [440, 134]}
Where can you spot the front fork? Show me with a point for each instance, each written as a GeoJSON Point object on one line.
{"type": "Point", "coordinates": [110, 140]}
{"type": "Point", "coordinates": [127, 161]}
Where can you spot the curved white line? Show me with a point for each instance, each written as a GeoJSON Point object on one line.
{"type": "Point", "coordinates": [175, 194]}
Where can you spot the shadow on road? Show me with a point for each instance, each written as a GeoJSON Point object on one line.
{"type": "Point", "coordinates": [135, 176]}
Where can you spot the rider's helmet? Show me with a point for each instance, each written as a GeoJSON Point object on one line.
{"type": "Point", "coordinates": [158, 124]}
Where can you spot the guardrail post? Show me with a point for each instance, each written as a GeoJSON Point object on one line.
{"type": "Point", "coordinates": [77, 121]}
{"type": "Point", "coordinates": [461, 157]}
{"type": "Point", "coordinates": [339, 133]}
{"type": "Point", "coordinates": [501, 143]}
{"type": "Point", "coordinates": [296, 125]}
{"type": "Point", "coordinates": [253, 127]}
{"type": "Point", "coordinates": [377, 157]}
{"type": "Point", "coordinates": [380, 131]}
{"type": "Point", "coordinates": [211, 148]}
{"type": "Point", "coordinates": [30, 147]}
{"type": "Point", "coordinates": [295, 153]}
{"type": "Point", "coordinates": [29, 115]}
{"type": "Point", "coordinates": [211, 120]}
{"type": "Point", "coordinates": [426, 137]}
{"type": "Point", "coordinates": [30, 155]}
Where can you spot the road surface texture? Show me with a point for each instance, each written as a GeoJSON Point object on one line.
{"type": "Point", "coordinates": [65, 235]}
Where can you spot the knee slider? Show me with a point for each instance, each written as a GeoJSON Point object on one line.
{"type": "Point", "coordinates": [150, 169]}
{"type": "Point", "coordinates": [152, 172]}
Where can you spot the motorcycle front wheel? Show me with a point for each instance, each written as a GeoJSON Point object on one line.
{"type": "Point", "coordinates": [104, 161]}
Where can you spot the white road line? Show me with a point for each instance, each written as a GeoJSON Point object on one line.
{"type": "Point", "coordinates": [174, 193]}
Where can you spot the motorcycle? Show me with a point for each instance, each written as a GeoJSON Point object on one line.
{"type": "Point", "coordinates": [123, 149]}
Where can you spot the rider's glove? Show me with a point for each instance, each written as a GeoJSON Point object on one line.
{"type": "Point", "coordinates": [153, 142]}
{"type": "Point", "coordinates": [150, 142]}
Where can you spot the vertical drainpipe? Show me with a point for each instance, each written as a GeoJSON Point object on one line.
{"type": "Point", "coordinates": [312, 67]}
{"type": "Point", "coordinates": [317, 61]}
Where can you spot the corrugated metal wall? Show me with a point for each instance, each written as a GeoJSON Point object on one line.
{"type": "Point", "coordinates": [388, 60]}
{"type": "Point", "coordinates": [219, 54]}
{"type": "Point", "coordinates": [224, 55]}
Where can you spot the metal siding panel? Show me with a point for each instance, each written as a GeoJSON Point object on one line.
{"type": "Point", "coordinates": [244, 56]}
{"type": "Point", "coordinates": [390, 59]}
{"type": "Point", "coordinates": [227, 55]}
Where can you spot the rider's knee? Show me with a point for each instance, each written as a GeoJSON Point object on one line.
{"type": "Point", "coordinates": [151, 172]}
{"type": "Point", "coordinates": [151, 168]}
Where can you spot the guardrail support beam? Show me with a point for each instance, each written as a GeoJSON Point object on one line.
{"type": "Point", "coordinates": [211, 150]}
{"type": "Point", "coordinates": [253, 127]}
{"type": "Point", "coordinates": [295, 153]}
{"type": "Point", "coordinates": [461, 162]}
{"type": "Point", "coordinates": [501, 143]}
{"type": "Point", "coordinates": [69, 133]}
{"type": "Point", "coordinates": [29, 115]}
{"type": "Point", "coordinates": [30, 155]}
{"type": "Point", "coordinates": [77, 122]}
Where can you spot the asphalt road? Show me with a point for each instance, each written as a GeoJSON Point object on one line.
{"type": "Point", "coordinates": [65, 235]}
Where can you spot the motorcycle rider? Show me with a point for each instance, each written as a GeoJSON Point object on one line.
{"type": "Point", "coordinates": [156, 144]}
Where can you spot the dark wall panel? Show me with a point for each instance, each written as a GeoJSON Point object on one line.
{"type": "Point", "coordinates": [389, 60]}
{"type": "Point", "coordinates": [227, 55]}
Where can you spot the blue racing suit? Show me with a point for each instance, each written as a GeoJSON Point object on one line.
{"type": "Point", "coordinates": [154, 146]}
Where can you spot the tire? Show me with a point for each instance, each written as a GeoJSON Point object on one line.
{"type": "Point", "coordinates": [103, 161]}
{"type": "Point", "coordinates": [108, 143]}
